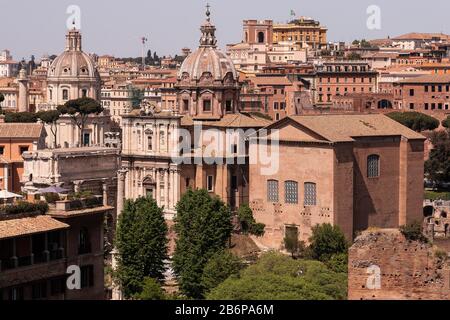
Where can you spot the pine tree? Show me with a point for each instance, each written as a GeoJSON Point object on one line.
{"type": "Point", "coordinates": [203, 226]}
{"type": "Point", "coordinates": [141, 244]}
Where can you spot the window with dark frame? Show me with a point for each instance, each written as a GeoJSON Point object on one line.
{"type": "Point", "coordinates": [272, 190]}
{"type": "Point", "coordinates": [373, 166]}
{"type": "Point", "coordinates": [291, 192]}
{"type": "Point", "coordinates": [310, 196]}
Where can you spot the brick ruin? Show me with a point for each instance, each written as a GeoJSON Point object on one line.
{"type": "Point", "coordinates": [384, 265]}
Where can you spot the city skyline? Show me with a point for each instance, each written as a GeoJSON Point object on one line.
{"type": "Point", "coordinates": [169, 30]}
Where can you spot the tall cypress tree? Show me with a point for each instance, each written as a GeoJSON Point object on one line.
{"type": "Point", "coordinates": [203, 226]}
{"type": "Point", "coordinates": [141, 243]}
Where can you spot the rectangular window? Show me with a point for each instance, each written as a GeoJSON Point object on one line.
{"type": "Point", "coordinates": [411, 92]}
{"type": "Point", "coordinates": [228, 106]}
{"type": "Point", "coordinates": [272, 190]}
{"type": "Point", "coordinates": [310, 194]}
{"type": "Point", "coordinates": [426, 106]}
{"type": "Point", "coordinates": [426, 88]}
{"type": "Point", "coordinates": [2, 150]}
{"type": "Point", "coordinates": [39, 290]}
{"type": "Point", "coordinates": [234, 184]}
{"type": "Point", "coordinates": [411, 105]}
{"type": "Point", "coordinates": [22, 149]}
{"type": "Point", "coordinates": [87, 276]}
{"type": "Point", "coordinates": [185, 105]}
{"type": "Point", "coordinates": [275, 105]}
{"type": "Point", "coordinates": [150, 143]}
{"type": "Point", "coordinates": [440, 106]}
{"type": "Point", "coordinates": [207, 105]}
{"type": "Point", "coordinates": [291, 192]}
{"type": "Point", "coordinates": [57, 286]}
{"type": "Point", "coordinates": [16, 293]}
{"type": "Point", "coordinates": [210, 183]}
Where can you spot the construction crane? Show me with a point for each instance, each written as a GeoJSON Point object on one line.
{"type": "Point", "coordinates": [144, 40]}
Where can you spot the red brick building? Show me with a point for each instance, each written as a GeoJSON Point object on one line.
{"type": "Point", "coordinates": [427, 94]}
{"type": "Point", "coordinates": [36, 251]}
{"type": "Point", "coordinates": [339, 78]}
{"type": "Point", "coordinates": [355, 171]}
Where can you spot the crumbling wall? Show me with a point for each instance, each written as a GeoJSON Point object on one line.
{"type": "Point", "coordinates": [385, 265]}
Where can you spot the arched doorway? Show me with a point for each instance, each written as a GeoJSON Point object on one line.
{"type": "Point", "coordinates": [384, 104]}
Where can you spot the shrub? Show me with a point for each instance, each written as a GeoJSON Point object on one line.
{"type": "Point", "coordinates": [40, 207]}
{"type": "Point", "coordinates": [51, 197]}
{"type": "Point", "coordinates": [248, 222]}
{"type": "Point", "coordinates": [327, 240]}
{"type": "Point", "coordinates": [413, 232]}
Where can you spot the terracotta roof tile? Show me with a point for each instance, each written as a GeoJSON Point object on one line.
{"type": "Point", "coordinates": [341, 128]}
{"type": "Point", "coordinates": [21, 130]}
{"type": "Point", "coordinates": [30, 225]}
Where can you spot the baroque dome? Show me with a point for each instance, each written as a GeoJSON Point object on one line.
{"type": "Point", "coordinates": [73, 62]}
{"type": "Point", "coordinates": [207, 59]}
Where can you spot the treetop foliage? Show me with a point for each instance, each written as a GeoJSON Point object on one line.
{"type": "Point", "coordinates": [415, 120]}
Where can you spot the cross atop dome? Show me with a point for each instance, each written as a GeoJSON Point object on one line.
{"type": "Point", "coordinates": [208, 13]}
{"type": "Point", "coordinates": [208, 30]}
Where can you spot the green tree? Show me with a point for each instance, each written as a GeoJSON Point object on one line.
{"type": "Point", "coordinates": [415, 120]}
{"type": "Point", "coordinates": [355, 42]}
{"type": "Point", "coordinates": [222, 265]}
{"type": "Point", "coordinates": [20, 117]}
{"type": "Point", "coordinates": [136, 97]}
{"type": "Point", "coordinates": [279, 277]}
{"type": "Point", "coordinates": [141, 243]}
{"type": "Point", "coordinates": [151, 290]}
{"type": "Point", "coordinates": [446, 122]}
{"type": "Point", "coordinates": [51, 117]}
{"type": "Point", "coordinates": [79, 110]}
{"type": "Point", "coordinates": [248, 222]}
{"type": "Point", "coordinates": [354, 56]}
{"type": "Point", "coordinates": [291, 243]}
{"type": "Point", "coordinates": [437, 167]}
{"type": "Point", "coordinates": [327, 240]}
{"type": "Point", "coordinates": [203, 227]}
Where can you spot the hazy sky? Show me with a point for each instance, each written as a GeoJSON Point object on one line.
{"type": "Point", "coordinates": [115, 27]}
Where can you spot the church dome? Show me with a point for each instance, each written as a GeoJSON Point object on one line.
{"type": "Point", "coordinates": [73, 62]}
{"type": "Point", "coordinates": [207, 59]}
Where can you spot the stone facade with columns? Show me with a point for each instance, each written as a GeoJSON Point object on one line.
{"type": "Point", "coordinates": [73, 75]}
{"type": "Point", "coordinates": [78, 169]}
{"type": "Point", "coordinates": [147, 148]}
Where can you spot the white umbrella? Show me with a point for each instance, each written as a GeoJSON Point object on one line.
{"type": "Point", "coordinates": [9, 195]}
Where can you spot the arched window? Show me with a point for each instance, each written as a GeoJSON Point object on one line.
{"type": "Point", "coordinates": [84, 245]}
{"type": "Point", "coordinates": [65, 94]}
{"type": "Point", "coordinates": [261, 37]}
{"type": "Point", "coordinates": [310, 194]}
{"type": "Point", "coordinates": [291, 192]}
{"type": "Point", "coordinates": [272, 190]}
{"type": "Point", "coordinates": [84, 93]}
{"type": "Point", "coordinates": [373, 166]}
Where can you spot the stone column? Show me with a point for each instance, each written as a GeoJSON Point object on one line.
{"type": "Point", "coordinates": [171, 205]}
{"type": "Point", "coordinates": [158, 187]}
{"type": "Point", "coordinates": [166, 188]}
{"type": "Point", "coordinates": [176, 187]}
{"type": "Point", "coordinates": [121, 174]}
{"type": "Point", "coordinates": [105, 193]}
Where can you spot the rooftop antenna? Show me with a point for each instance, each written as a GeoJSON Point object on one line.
{"type": "Point", "coordinates": [144, 40]}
